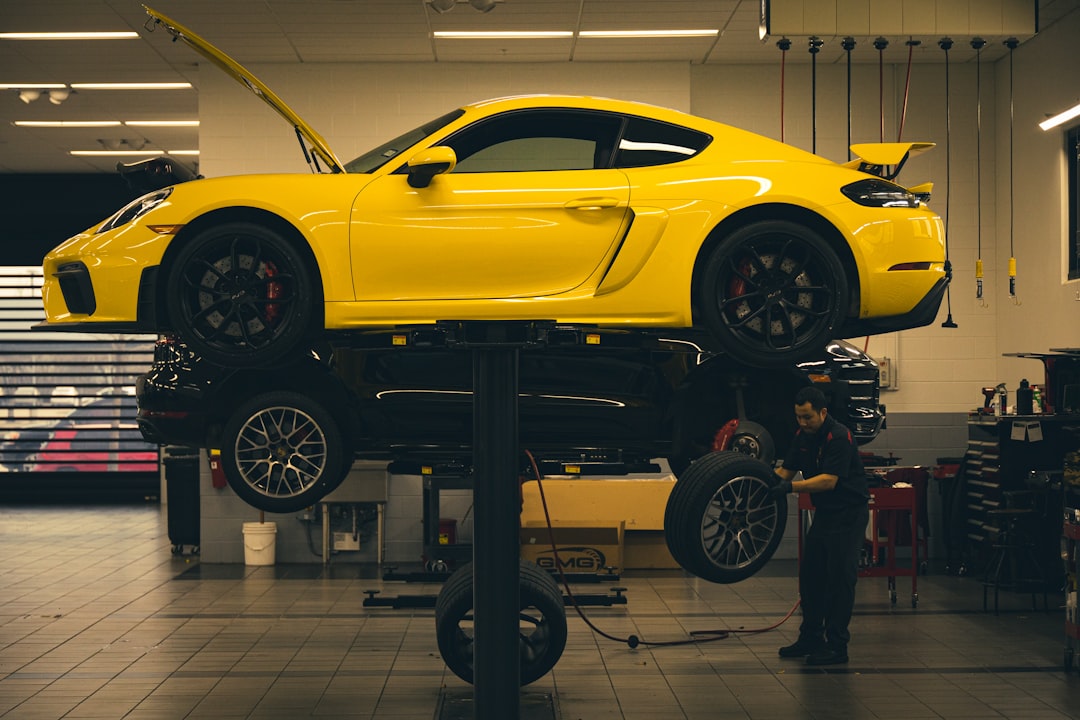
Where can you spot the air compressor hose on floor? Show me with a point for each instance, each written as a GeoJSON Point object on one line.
{"type": "Point", "coordinates": [633, 641]}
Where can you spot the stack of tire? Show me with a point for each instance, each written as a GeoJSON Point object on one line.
{"type": "Point", "coordinates": [721, 523]}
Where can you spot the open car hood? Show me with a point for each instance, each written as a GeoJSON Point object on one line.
{"type": "Point", "coordinates": [314, 140]}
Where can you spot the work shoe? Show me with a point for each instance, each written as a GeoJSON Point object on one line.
{"type": "Point", "coordinates": [827, 657]}
{"type": "Point", "coordinates": [802, 648]}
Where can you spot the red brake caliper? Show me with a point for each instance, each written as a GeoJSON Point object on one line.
{"type": "Point", "coordinates": [274, 291]}
{"type": "Point", "coordinates": [737, 286]}
{"type": "Point", "coordinates": [723, 436]}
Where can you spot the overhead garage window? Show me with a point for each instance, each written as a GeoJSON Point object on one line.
{"type": "Point", "coordinates": [1073, 140]}
{"type": "Point", "coordinates": [67, 400]}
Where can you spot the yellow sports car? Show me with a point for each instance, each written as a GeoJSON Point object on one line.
{"type": "Point", "coordinates": [579, 210]}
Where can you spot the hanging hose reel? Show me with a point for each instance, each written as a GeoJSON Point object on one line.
{"type": "Point", "coordinates": [977, 44]}
{"type": "Point", "coordinates": [815, 48]}
{"type": "Point", "coordinates": [946, 45]}
{"type": "Point", "coordinates": [848, 44]}
{"type": "Point", "coordinates": [1012, 44]}
{"type": "Point", "coordinates": [784, 44]}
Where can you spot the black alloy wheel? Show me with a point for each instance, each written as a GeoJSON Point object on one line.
{"type": "Point", "coordinates": [241, 294]}
{"type": "Point", "coordinates": [283, 452]}
{"type": "Point", "coordinates": [773, 292]}
{"type": "Point", "coordinates": [542, 627]}
{"type": "Point", "coordinates": [721, 522]}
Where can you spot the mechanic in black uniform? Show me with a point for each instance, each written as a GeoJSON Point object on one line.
{"type": "Point", "coordinates": [828, 457]}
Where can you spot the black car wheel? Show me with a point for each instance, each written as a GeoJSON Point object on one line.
{"type": "Point", "coordinates": [283, 451]}
{"type": "Point", "coordinates": [241, 294]}
{"type": "Point", "coordinates": [541, 628]}
{"type": "Point", "coordinates": [721, 523]}
{"type": "Point", "coordinates": [773, 293]}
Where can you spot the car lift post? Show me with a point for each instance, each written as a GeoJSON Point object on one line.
{"type": "Point", "coordinates": [496, 504]}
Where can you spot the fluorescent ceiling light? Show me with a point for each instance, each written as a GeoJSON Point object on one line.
{"type": "Point", "coordinates": [66, 123]}
{"type": "Point", "coordinates": [1061, 118]}
{"type": "Point", "coordinates": [648, 33]}
{"type": "Point", "coordinates": [125, 35]}
{"type": "Point", "coordinates": [32, 86]}
{"type": "Point", "coordinates": [103, 153]}
{"type": "Point", "coordinates": [162, 123]}
{"type": "Point", "coordinates": [106, 153]}
{"type": "Point", "coordinates": [132, 86]}
{"type": "Point", "coordinates": [104, 123]}
{"type": "Point", "coordinates": [543, 34]}
{"type": "Point", "coordinates": [501, 35]}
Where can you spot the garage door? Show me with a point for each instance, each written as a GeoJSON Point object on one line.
{"type": "Point", "coordinates": [67, 400]}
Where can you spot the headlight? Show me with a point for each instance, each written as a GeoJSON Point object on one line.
{"type": "Point", "coordinates": [879, 193]}
{"type": "Point", "coordinates": [136, 209]}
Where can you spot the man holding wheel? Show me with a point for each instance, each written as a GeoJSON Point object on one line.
{"type": "Point", "coordinates": [827, 455]}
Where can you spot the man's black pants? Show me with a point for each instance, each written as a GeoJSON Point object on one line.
{"type": "Point", "coordinates": [827, 575]}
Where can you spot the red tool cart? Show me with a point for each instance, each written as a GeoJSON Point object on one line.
{"type": "Point", "coordinates": [894, 522]}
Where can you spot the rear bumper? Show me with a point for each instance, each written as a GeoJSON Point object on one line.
{"type": "Point", "coordinates": [173, 428]}
{"type": "Point", "coordinates": [921, 315]}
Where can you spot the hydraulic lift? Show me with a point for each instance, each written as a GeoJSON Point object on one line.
{"type": "Point", "coordinates": [495, 348]}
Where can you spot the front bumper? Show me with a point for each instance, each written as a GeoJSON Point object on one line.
{"type": "Point", "coordinates": [103, 281]}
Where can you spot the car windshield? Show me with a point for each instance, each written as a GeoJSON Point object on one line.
{"type": "Point", "coordinates": [374, 159]}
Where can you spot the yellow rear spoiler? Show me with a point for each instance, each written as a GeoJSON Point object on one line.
{"type": "Point", "coordinates": [876, 158]}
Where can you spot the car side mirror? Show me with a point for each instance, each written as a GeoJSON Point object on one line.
{"type": "Point", "coordinates": [428, 163]}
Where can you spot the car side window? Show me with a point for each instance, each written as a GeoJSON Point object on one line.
{"type": "Point", "coordinates": [536, 140]}
{"type": "Point", "coordinates": [650, 142]}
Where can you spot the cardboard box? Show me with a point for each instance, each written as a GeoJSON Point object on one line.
{"type": "Point", "coordinates": [647, 550]}
{"type": "Point", "coordinates": [582, 548]}
{"type": "Point", "coordinates": [638, 503]}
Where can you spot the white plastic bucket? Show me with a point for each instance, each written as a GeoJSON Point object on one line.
{"type": "Point", "coordinates": [259, 540]}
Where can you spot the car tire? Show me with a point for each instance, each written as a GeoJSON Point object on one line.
{"type": "Point", "coordinates": [773, 292]}
{"type": "Point", "coordinates": [542, 628]}
{"type": "Point", "coordinates": [283, 452]}
{"type": "Point", "coordinates": [241, 294]}
{"type": "Point", "coordinates": [721, 523]}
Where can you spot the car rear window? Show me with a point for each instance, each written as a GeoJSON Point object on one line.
{"type": "Point", "coordinates": [648, 142]}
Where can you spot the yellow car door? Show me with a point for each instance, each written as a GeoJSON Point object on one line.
{"type": "Point", "coordinates": [485, 235]}
{"type": "Point", "coordinates": [524, 205]}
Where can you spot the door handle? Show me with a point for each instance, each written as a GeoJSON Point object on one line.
{"type": "Point", "coordinates": [591, 203]}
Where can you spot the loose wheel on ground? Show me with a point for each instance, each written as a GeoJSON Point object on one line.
{"type": "Point", "coordinates": [283, 452]}
{"type": "Point", "coordinates": [541, 628]}
{"type": "Point", "coordinates": [241, 294]}
{"type": "Point", "coordinates": [773, 292]}
{"type": "Point", "coordinates": [721, 523]}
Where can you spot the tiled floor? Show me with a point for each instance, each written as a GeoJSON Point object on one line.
{"type": "Point", "coordinates": [99, 620]}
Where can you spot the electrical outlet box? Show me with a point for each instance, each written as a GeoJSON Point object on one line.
{"type": "Point", "coordinates": [345, 541]}
{"type": "Point", "coordinates": [886, 373]}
